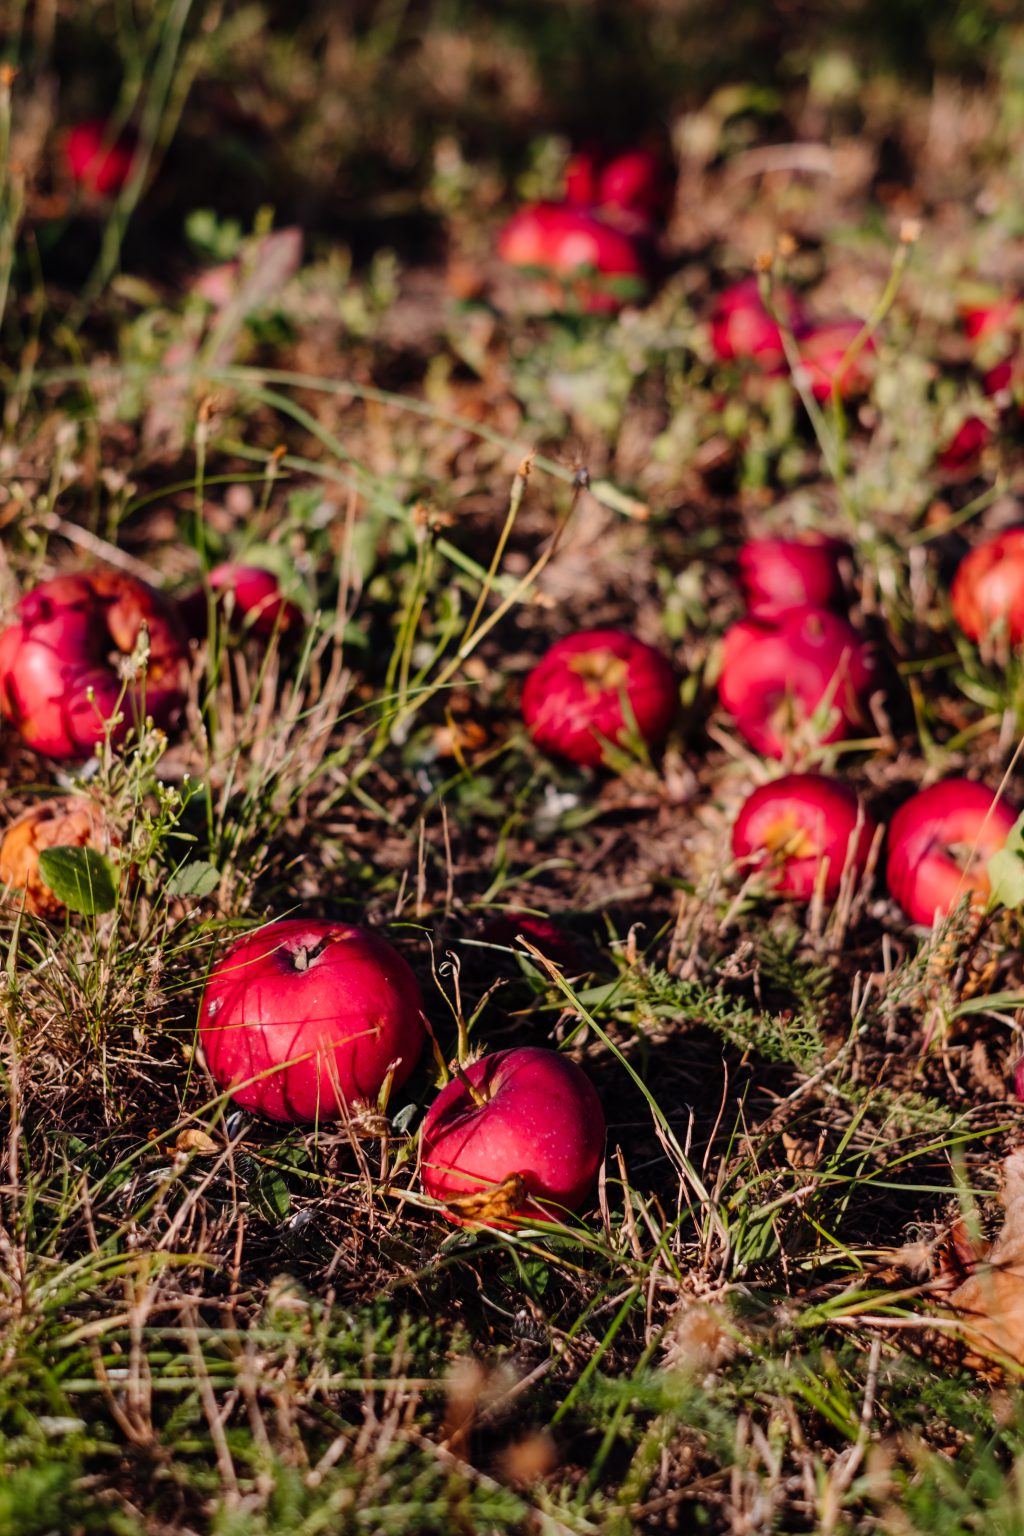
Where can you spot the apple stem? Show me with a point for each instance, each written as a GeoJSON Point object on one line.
{"type": "Point", "coordinates": [303, 957]}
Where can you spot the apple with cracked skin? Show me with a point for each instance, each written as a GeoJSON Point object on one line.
{"type": "Point", "coordinates": [61, 661]}
{"type": "Point", "coordinates": [777, 677]}
{"type": "Point", "coordinates": [597, 687]}
{"type": "Point", "coordinates": [303, 1018]}
{"type": "Point", "coordinates": [519, 1133]}
{"type": "Point", "coordinates": [802, 833]}
{"type": "Point", "coordinates": [940, 842]}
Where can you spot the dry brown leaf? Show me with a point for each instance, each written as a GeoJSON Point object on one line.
{"type": "Point", "coordinates": [497, 1204]}
{"type": "Point", "coordinates": [990, 1302]}
{"type": "Point", "coordinates": [194, 1140]}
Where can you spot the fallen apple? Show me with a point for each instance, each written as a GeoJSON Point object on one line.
{"type": "Point", "coordinates": [98, 165]}
{"type": "Point", "coordinates": [634, 180]}
{"type": "Point", "coordinates": [965, 446]}
{"type": "Point", "coordinates": [987, 314]}
{"type": "Point", "coordinates": [940, 843]}
{"type": "Point", "coordinates": [777, 575]}
{"type": "Point", "coordinates": [802, 833]}
{"type": "Point", "coordinates": [250, 599]}
{"type": "Point", "coordinates": [520, 1133]}
{"type": "Point", "coordinates": [796, 682]}
{"type": "Point", "coordinates": [68, 821]}
{"type": "Point", "coordinates": [595, 688]}
{"type": "Point", "coordinates": [987, 594]}
{"type": "Point", "coordinates": [552, 940]}
{"type": "Point", "coordinates": [301, 1018]}
{"type": "Point", "coordinates": [597, 264]}
{"type": "Point", "coordinates": [828, 362]}
{"type": "Point", "coordinates": [61, 661]}
{"type": "Point", "coordinates": [742, 327]}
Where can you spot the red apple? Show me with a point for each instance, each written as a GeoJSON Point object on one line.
{"type": "Point", "coordinates": [539, 1118]}
{"type": "Point", "coordinates": [634, 180]}
{"type": "Point", "coordinates": [776, 575]}
{"type": "Point", "coordinates": [317, 1012]}
{"type": "Point", "coordinates": [590, 254]}
{"type": "Point", "coordinates": [776, 676]}
{"type": "Point", "coordinates": [800, 830]}
{"type": "Point", "coordinates": [987, 315]}
{"type": "Point", "coordinates": [581, 179]}
{"type": "Point", "coordinates": [988, 589]}
{"type": "Point", "coordinates": [595, 687]}
{"type": "Point", "coordinates": [1000, 378]}
{"type": "Point", "coordinates": [60, 680]}
{"type": "Point", "coordinates": [94, 163]}
{"type": "Point", "coordinates": [249, 596]}
{"type": "Point", "coordinates": [824, 356]}
{"type": "Point", "coordinates": [741, 326]}
{"type": "Point", "coordinates": [541, 932]}
{"type": "Point", "coordinates": [940, 843]}
{"type": "Point", "coordinates": [964, 447]}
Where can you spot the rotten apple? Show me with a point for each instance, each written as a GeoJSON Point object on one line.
{"type": "Point", "coordinates": [519, 1133]}
{"type": "Point", "coordinates": [940, 843]}
{"type": "Point", "coordinates": [62, 661]}
{"type": "Point", "coordinates": [796, 682]}
{"type": "Point", "coordinates": [595, 688]}
{"type": "Point", "coordinates": [68, 821]}
{"type": "Point", "coordinates": [802, 833]}
{"type": "Point", "coordinates": [987, 594]}
{"type": "Point", "coordinates": [301, 1018]}
{"type": "Point", "coordinates": [596, 263]}
{"type": "Point", "coordinates": [96, 163]}
{"type": "Point", "coordinates": [777, 575]}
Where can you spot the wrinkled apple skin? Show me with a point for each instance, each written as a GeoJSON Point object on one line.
{"type": "Point", "coordinates": [574, 696]}
{"type": "Point", "coordinates": [99, 168]}
{"type": "Point", "coordinates": [966, 444]}
{"type": "Point", "coordinates": [741, 326]}
{"type": "Point", "coordinates": [775, 675]}
{"type": "Point", "coordinates": [823, 349]}
{"type": "Point", "coordinates": [923, 875]}
{"type": "Point", "coordinates": [566, 241]}
{"type": "Point", "coordinates": [316, 1038]}
{"type": "Point", "coordinates": [60, 646]}
{"type": "Point", "coordinates": [987, 594]}
{"type": "Point", "coordinates": [777, 575]}
{"type": "Point", "coordinates": [68, 821]}
{"type": "Point", "coordinates": [818, 818]}
{"type": "Point", "coordinates": [542, 1120]}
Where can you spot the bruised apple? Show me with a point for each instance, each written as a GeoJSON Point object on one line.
{"type": "Point", "coordinates": [940, 843]}
{"type": "Point", "coordinates": [597, 687]}
{"type": "Point", "coordinates": [802, 832]}
{"type": "Point", "coordinates": [68, 821]}
{"type": "Point", "coordinates": [988, 589]}
{"type": "Point", "coordinates": [522, 1133]}
{"type": "Point", "coordinates": [798, 681]}
{"type": "Point", "coordinates": [777, 575]}
{"type": "Point", "coordinates": [61, 661]}
{"type": "Point", "coordinates": [742, 327]}
{"type": "Point", "coordinates": [96, 164]}
{"type": "Point", "coordinates": [300, 1019]}
{"type": "Point", "coordinates": [599, 264]}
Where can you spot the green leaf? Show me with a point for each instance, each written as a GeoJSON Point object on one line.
{"type": "Point", "coordinates": [79, 877]}
{"type": "Point", "coordinates": [197, 878]}
{"type": "Point", "coordinates": [1006, 869]}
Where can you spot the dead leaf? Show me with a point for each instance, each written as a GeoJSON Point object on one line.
{"type": "Point", "coordinates": [496, 1204]}
{"type": "Point", "coordinates": [990, 1302]}
{"type": "Point", "coordinates": [193, 1140]}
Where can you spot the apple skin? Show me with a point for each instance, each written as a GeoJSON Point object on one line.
{"type": "Point", "coordinates": [792, 664]}
{"type": "Point", "coordinates": [923, 876]}
{"type": "Point", "coordinates": [325, 1035]}
{"type": "Point", "coordinates": [542, 1120]}
{"type": "Point", "coordinates": [988, 589]}
{"type": "Point", "coordinates": [96, 166]}
{"type": "Point", "coordinates": [742, 328]}
{"type": "Point", "coordinates": [569, 242]}
{"type": "Point", "coordinates": [67, 821]}
{"type": "Point", "coordinates": [59, 647]}
{"type": "Point", "coordinates": [966, 444]}
{"type": "Point", "coordinates": [822, 349]}
{"type": "Point", "coordinates": [819, 818]}
{"type": "Point", "coordinates": [574, 696]}
{"type": "Point", "coordinates": [777, 575]}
